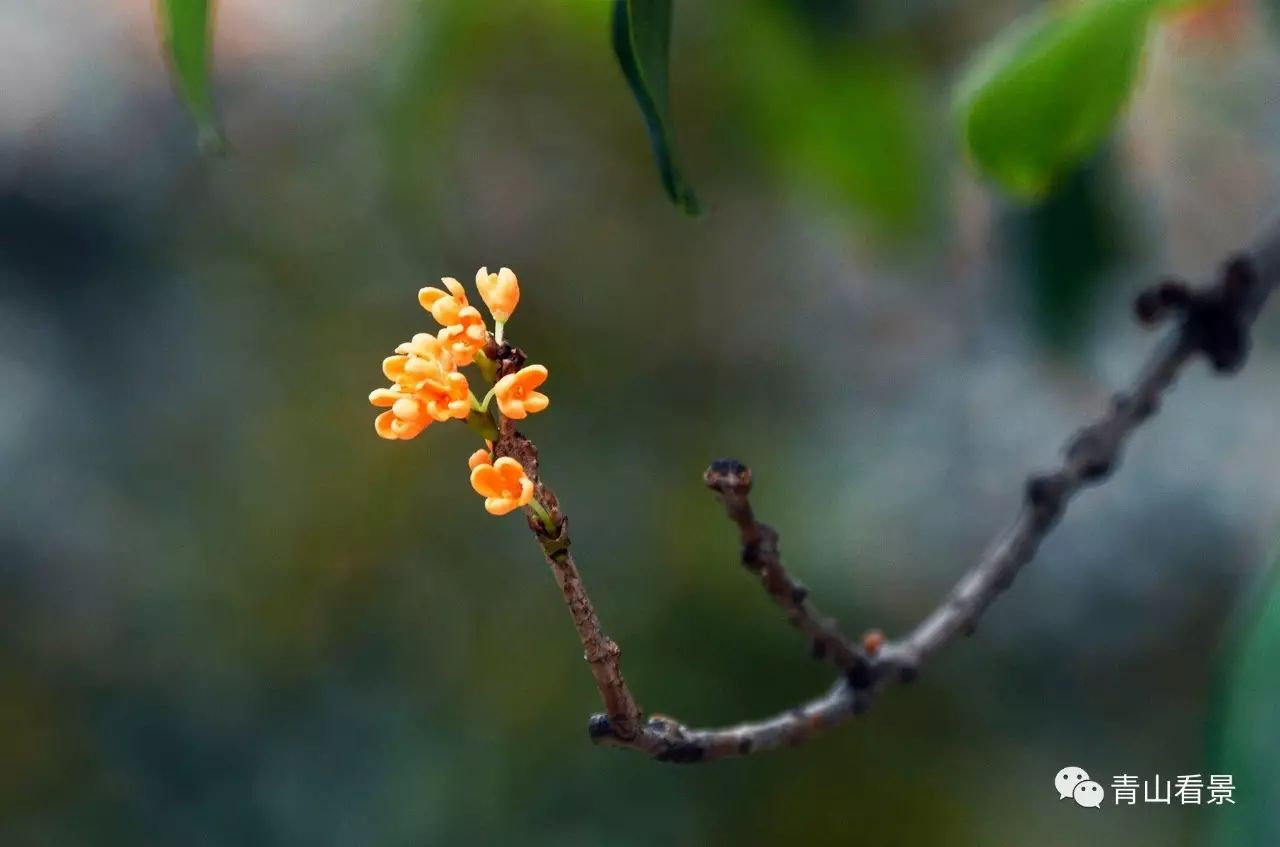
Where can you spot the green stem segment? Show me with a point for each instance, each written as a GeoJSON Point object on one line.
{"type": "Point", "coordinates": [488, 367]}
{"type": "Point", "coordinates": [548, 524]}
{"type": "Point", "coordinates": [483, 423]}
{"type": "Point", "coordinates": [481, 419]}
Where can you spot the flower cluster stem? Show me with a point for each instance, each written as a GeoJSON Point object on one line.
{"type": "Point", "coordinates": [482, 422]}
{"type": "Point", "coordinates": [487, 367]}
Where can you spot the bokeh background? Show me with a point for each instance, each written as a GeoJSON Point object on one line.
{"type": "Point", "coordinates": [229, 614]}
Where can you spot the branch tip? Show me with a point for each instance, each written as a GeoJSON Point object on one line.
{"type": "Point", "coordinates": [728, 476]}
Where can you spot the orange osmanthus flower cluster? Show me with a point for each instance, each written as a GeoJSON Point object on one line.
{"type": "Point", "coordinates": [427, 386]}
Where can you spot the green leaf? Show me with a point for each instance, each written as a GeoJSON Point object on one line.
{"type": "Point", "coordinates": [1246, 729]}
{"type": "Point", "coordinates": [187, 26]}
{"type": "Point", "coordinates": [641, 40]}
{"type": "Point", "coordinates": [838, 118]}
{"type": "Point", "coordinates": [1046, 93]}
{"type": "Point", "coordinates": [1063, 251]}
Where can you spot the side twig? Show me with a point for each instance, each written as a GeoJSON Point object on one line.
{"type": "Point", "coordinates": [1214, 321]}
{"type": "Point", "coordinates": [731, 481]}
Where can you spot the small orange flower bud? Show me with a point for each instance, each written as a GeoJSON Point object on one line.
{"type": "Point", "coordinates": [480, 457]}
{"type": "Point", "coordinates": [515, 392]}
{"type": "Point", "coordinates": [500, 292]}
{"type": "Point", "coordinates": [504, 485]}
{"type": "Point", "coordinates": [872, 641]}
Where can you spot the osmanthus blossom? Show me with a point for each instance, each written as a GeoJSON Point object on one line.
{"type": "Point", "coordinates": [515, 392]}
{"type": "Point", "coordinates": [500, 292]}
{"type": "Point", "coordinates": [463, 331]}
{"type": "Point", "coordinates": [427, 386]}
{"type": "Point", "coordinates": [504, 485]}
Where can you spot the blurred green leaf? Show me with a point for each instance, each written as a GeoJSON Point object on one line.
{"type": "Point", "coordinates": [188, 35]}
{"type": "Point", "coordinates": [839, 115]}
{"type": "Point", "coordinates": [1047, 91]}
{"type": "Point", "coordinates": [642, 40]}
{"type": "Point", "coordinates": [1248, 732]}
{"type": "Point", "coordinates": [1062, 250]}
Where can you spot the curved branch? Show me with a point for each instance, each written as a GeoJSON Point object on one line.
{"type": "Point", "coordinates": [731, 481]}
{"type": "Point", "coordinates": [1214, 321]}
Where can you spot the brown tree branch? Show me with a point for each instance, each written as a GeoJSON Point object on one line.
{"type": "Point", "coordinates": [1214, 321]}
{"type": "Point", "coordinates": [731, 481]}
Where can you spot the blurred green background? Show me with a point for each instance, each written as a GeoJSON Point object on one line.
{"type": "Point", "coordinates": [229, 614]}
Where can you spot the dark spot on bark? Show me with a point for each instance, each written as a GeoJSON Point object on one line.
{"type": "Point", "coordinates": [744, 746]}
{"type": "Point", "coordinates": [1146, 307]}
{"type": "Point", "coordinates": [1239, 279]}
{"type": "Point", "coordinates": [1156, 302]}
{"type": "Point", "coordinates": [1089, 453]}
{"type": "Point", "coordinates": [1044, 493]}
{"type": "Point", "coordinates": [1224, 342]}
{"type": "Point", "coordinates": [1145, 408]}
{"type": "Point", "coordinates": [683, 753]}
{"type": "Point", "coordinates": [860, 675]}
{"type": "Point", "coordinates": [768, 542]}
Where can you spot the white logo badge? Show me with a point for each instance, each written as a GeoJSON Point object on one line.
{"type": "Point", "coordinates": [1067, 780]}
{"type": "Point", "coordinates": [1089, 794]}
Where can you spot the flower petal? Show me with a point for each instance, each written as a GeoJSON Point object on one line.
{"type": "Point", "coordinates": [408, 409]}
{"type": "Point", "coordinates": [393, 367]}
{"type": "Point", "coordinates": [532, 376]}
{"type": "Point", "coordinates": [486, 481]}
{"type": "Point", "coordinates": [510, 470]}
{"type": "Point", "coordinates": [504, 385]}
{"type": "Point", "coordinates": [383, 397]}
{"type": "Point", "coordinates": [500, 505]}
{"type": "Point", "coordinates": [535, 402]}
{"type": "Point", "coordinates": [406, 429]}
{"type": "Point", "coordinates": [382, 426]}
{"type": "Point", "coordinates": [455, 288]}
{"type": "Point", "coordinates": [428, 296]}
